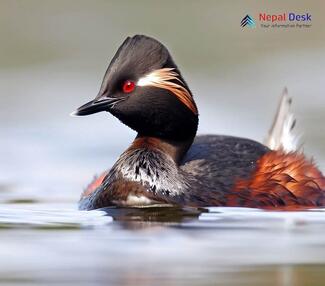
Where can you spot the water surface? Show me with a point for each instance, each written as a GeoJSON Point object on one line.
{"type": "Point", "coordinates": [45, 244]}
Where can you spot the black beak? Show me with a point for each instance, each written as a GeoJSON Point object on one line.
{"type": "Point", "coordinates": [95, 106]}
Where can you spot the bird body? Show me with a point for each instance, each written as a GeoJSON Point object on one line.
{"type": "Point", "coordinates": [167, 164]}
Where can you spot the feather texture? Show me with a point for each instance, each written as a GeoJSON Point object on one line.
{"type": "Point", "coordinates": [167, 78]}
{"type": "Point", "coordinates": [281, 135]}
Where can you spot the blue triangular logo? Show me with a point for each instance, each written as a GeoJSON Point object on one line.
{"type": "Point", "coordinates": [248, 21]}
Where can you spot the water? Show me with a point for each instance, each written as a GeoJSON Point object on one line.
{"type": "Point", "coordinates": [46, 245]}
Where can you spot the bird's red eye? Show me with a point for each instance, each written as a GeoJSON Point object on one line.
{"type": "Point", "coordinates": [128, 86]}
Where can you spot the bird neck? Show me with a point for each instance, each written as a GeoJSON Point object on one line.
{"type": "Point", "coordinates": [174, 149]}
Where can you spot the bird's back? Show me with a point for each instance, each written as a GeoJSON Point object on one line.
{"type": "Point", "coordinates": [218, 161]}
{"type": "Point", "coordinates": [231, 171]}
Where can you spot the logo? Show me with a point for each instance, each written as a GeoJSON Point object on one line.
{"type": "Point", "coordinates": [282, 20]}
{"type": "Point", "coordinates": [248, 21]}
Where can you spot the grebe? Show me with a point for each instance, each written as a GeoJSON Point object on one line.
{"type": "Point", "coordinates": [167, 164]}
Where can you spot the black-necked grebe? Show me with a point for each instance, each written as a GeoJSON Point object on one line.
{"type": "Point", "coordinates": [167, 164]}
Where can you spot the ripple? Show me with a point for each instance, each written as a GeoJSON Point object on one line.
{"type": "Point", "coordinates": [15, 217]}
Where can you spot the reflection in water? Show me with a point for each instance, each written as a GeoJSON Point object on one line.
{"type": "Point", "coordinates": [153, 215]}
{"type": "Point", "coordinates": [160, 246]}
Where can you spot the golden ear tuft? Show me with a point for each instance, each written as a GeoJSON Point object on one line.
{"type": "Point", "coordinates": [162, 78]}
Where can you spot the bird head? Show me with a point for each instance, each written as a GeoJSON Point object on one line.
{"type": "Point", "coordinates": [145, 90]}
